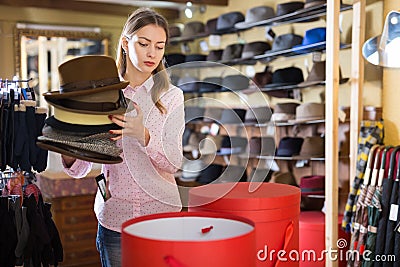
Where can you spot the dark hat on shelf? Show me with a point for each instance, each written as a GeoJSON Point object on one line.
{"type": "Point", "coordinates": [193, 141]}
{"type": "Point", "coordinates": [314, 3]}
{"type": "Point", "coordinates": [232, 51]}
{"type": "Point", "coordinates": [210, 84]}
{"type": "Point", "coordinates": [226, 22]}
{"type": "Point", "coordinates": [254, 49]}
{"type": "Point", "coordinates": [211, 26]}
{"type": "Point", "coordinates": [175, 30]}
{"type": "Point", "coordinates": [313, 146]}
{"type": "Point", "coordinates": [258, 115]}
{"type": "Point", "coordinates": [317, 75]}
{"type": "Point", "coordinates": [175, 59]}
{"type": "Point", "coordinates": [286, 41]}
{"type": "Point", "coordinates": [85, 88]}
{"type": "Point", "coordinates": [232, 145]}
{"type": "Point", "coordinates": [262, 146]}
{"type": "Point", "coordinates": [193, 113]}
{"type": "Point", "coordinates": [235, 82]}
{"type": "Point", "coordinates": [289, 146]}
{"type": "Point", "coordinates": [254, 15]}
{"type": "Point", "coordinates": [233, 116]}
{"type": "Point", "coordinates": [215, 55]}
{"type": "Point", "coordinates": [284, 111]}
{"type": "Point", "coordinates": [288, 8]}
{"type": "Point", "coordinates": [188, 84]}
{"type": "Point", "coordinates": [210, 173]}
{"type": "Point", "coordinates": [309, 111]}
{"type": "Point", "coordinates": [314, 39]}
{"type": "Point", "coordinates": [263, 78]}
{"type": "Point", "coordinates": [195, 57]}
{"type": "Point", "coordinates": [289, 76]}
{"type": "Point", "coordinates": [194, 29]}
{"type": "Point", "coordinates": [312, 185]}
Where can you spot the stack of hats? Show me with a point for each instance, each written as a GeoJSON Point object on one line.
{"type": "Point", "coordinates": [80, 125]}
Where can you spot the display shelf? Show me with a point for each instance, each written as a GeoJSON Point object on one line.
{"type": "Point", "coordinates": [302, 15]}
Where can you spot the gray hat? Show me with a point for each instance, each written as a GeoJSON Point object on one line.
{"type": "Point", "coordinates": [254, 49]}
{"type": "Point", "coordinates": [212, 114]}
{"type": "Point", "coordinates": [235, 82]}
{"type": "Point", "coordinates": [284, 111]}
{"type": "Point", "coordinates": [254, 15]}
{"type": "Point", "coordinates": [233, 116]}
{"type": "Point", "coordinates": [226, 22]}
{"type": "Point", "coordinates": [258, 115]}
{"type": "Point", "coordinates": [193, 113]}
{"type": "Point", "coordinates": [194, 29]}
{"type": "Point", "coordinates": [286, 41]}
{"type": "Point", "coordinates": [98, 148]}
{"type": "Point", "coordinates": [210, 84]}
{"type": "Point", "coordinates": [232, 51]}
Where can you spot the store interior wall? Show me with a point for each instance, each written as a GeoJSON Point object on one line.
{"type": "Point", "coordinates": [112, 24]}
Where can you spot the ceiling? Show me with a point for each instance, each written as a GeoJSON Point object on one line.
{"type": "Point", "coordinates": [170, 9]}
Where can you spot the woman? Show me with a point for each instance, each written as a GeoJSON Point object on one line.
{"type": "Point", "coordinates": [150, 137]}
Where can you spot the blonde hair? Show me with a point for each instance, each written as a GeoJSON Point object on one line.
{"type": "Point", "coordinates": [137, 20]}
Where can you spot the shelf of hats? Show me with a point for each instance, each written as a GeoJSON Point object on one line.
{"type": "Point", "coordinates": [270, 59]}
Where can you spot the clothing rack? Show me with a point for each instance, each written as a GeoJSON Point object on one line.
{"type": "Point", "coordinates": [8, 88]}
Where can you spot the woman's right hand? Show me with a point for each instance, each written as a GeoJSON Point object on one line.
{"type": "Point", "coordinates": [68, 160]}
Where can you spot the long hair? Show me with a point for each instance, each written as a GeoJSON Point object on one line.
{"type": "Point", "coordinates": [137, 20]}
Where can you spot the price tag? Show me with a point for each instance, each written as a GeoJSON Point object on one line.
{"type": "Point", "coordinates": [185, 48]}
{"type": "Point", "coordinates": [269, 34]}
{"type": "Point", "coordinates": [394, 209]}
{"type": "Point", "coordinates": [214, 40]}
{"type": "Point", "coordinates": [214, 129]}
{"type": "Point", "coordinates": [195, 153]}
{"type": "Point", "coordinates": [204, 46]}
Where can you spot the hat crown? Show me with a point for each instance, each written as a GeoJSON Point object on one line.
{"type": "Point", "coordinates": [259, 13]}
{"type": "Point", "coordinates": [288, 75]}
{"type": "Point", "coordinates": [232, 51]}
{"type": "Point", "coordinates": [315, 35]}
{"type": "Point", "coordinates": [287, 108]}
{"type": "Point", "coordinates": [310, 111]}
{"type": "Point", "coordinates": [288, 7]}
{"type": "Point", "coordinates": [286, 41]}
{"type": "Point", "coordinates": [227, 21]}
{"type": "Point", "coordinates": [255, 48]}
{"type": "Point", "coordinates": [313, 146]}
{"type": "Point", "coordinates": [289, 146]}
{"type": "Point", "coordinates": [193, 28]}
{"type": "Point", "coordinates": [86, 68]}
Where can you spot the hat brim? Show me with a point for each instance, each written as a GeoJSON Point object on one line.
{"type": "Point", "coordinates": [78, 153]}
{"type": "Point", "coordinates": [307, 120]}
{"type": "Point", "coordinates": [56, 102]}
{"type": "Point", "coordinates": [88, 91]}
{"type": "Point", "coordinates": [314, 83]}
{"type": "Point", "coordinates": [89, 129]}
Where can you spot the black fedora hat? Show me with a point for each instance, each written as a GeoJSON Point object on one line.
{"type": "Point", "coordinates": [175, 59]}
{"type": "Point", "coordinates": [254, 15]}
{"type": "Point", "coordinates": [284, 77]}
{"type": "Point", "coordinates": [188, 84]}
{"type": "Point", "coordinates": [210, 173]}
{"type": "Point", "coordinates": [283, 10]}
{"type": "Point", "coordinates": [289, 146]}
{"type": "Point", "coordinates": [215, 55]}
{"type": "Point", "coordinates": [233, 116]}
{"type": "Point", "coordinates": [226, 22]}
{"type": "Point", "coordinates": [211, 26]}
{"type": "Point", "coordinates": [232, 145]}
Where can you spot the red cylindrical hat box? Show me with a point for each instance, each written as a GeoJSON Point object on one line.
{"type": "Point", "coordinates": [312, 240]}
{"type": "Point", "coordinates": [188, 239]}
{"type": "Point", "coordinates": [274, 208]}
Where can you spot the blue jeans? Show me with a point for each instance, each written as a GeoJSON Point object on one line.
{"type": "Point", "coordinates": [108, 244]}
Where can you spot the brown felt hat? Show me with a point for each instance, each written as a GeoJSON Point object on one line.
{"type": "Point", "coordinates": [89, 84]}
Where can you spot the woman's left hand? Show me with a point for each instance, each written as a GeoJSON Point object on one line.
{"type": "Point", "coordinates": [131, 126]}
